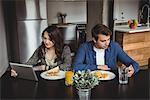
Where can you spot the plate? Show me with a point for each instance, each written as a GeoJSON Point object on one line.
{"type": "Point", "coordinates": [110, 76]}
{"type": "Point", "coordinates": [61, 75]}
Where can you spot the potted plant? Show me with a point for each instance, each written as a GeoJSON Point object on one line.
{"type": "Point", "coordinates": [84, 81]}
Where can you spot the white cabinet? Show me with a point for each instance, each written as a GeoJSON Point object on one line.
{"type": "Point", "coordinates": [67, 0]}
{"type": "Point", "coordinates": [126, 9]}
{"type": "Point", "coordinates": [75, 11]}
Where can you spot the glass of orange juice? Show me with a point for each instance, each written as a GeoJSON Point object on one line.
{"type": "Point", "coordinates": [69, 78]}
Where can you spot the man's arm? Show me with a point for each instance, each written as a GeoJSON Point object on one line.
{"type": "Point", "coordinates": [125, 59]}
{"type": "Point", "coordinates": [82, 60]}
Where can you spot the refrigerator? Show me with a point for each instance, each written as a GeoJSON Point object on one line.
{"type": "Point", "coordinates": [30, 20]}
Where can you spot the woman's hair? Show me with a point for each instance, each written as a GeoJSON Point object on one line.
{"type": "Point", "coordinates": [56, 37]}
{"type": "Point", "coordinates": [100, 29]}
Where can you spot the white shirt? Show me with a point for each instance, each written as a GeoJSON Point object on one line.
{"type": "Point", "coordinates": [100, 53]}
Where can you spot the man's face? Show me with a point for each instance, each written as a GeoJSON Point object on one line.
{"type": "Point", "coordinates": [102, 42]}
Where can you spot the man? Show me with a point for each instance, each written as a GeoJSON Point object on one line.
{"type": "Point", "coordinates": [102, 53]}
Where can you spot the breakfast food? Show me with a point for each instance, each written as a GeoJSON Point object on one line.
{"type": "Point", "coordinates": [53, 72]}
{"type": "Point", "coordinates": [101, 75]}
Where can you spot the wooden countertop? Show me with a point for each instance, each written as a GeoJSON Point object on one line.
{"type": "Point", "coordinates": [125, 28]}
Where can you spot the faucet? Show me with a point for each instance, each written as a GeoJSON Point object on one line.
{"type": "Point", "coordinates": [148, 9]}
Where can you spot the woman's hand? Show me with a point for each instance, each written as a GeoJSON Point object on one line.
{"type": "Point", "coordinates": [130, 71]}
{"type": "Point", "coordinates": [103, 67]}
{"type": "Point", "coordinates": [13, 73]}
{"type": "Point", "coordinates": [39, 68]}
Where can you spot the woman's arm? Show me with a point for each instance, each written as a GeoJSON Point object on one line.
{"type": "Point", "coordinates": [66, 57]}
{"type": "Point", "coordinates": [33, 60]}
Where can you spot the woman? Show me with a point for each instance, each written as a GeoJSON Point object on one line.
{"type": "Point", "coordinates": [52, 52]}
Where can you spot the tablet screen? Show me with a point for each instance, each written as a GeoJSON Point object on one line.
{"type": "Point", "coordinates": [24, 71]}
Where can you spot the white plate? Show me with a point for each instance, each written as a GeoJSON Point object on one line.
{"type": "Point", "coordinates": [111, 75]}
{"type": "Point", "coordinates": [60, 75]}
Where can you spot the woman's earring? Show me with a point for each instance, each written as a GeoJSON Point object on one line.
{"type": "Point", "coordinates": [94, 40]}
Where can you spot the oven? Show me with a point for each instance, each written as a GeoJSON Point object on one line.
{"type": "Point", "coordinates": [81, 34]}
{"type": "Point", "coordinates": [73, 35]}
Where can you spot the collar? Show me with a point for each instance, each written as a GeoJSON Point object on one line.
{"type": "Point", "coordinates": [92, 44]}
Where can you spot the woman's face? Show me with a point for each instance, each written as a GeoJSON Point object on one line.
{"type": "Point", "coordinates": [46, 40]}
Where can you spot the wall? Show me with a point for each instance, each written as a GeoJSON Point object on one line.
{"type": "Point", "coordinates": [3, 48]}
{"type": "Point", "coordinates": [105, 12]}
{"type": "Point", "coordinates": [9, 12]}
{"type": "Point", "coordinates": [94, 13]}
{"type": "Point", "coordinates": [128, 7]}
{"type": "Point", "coordinates": [108, 13]}
{"type": "Point", "coordinates": [76, 11]}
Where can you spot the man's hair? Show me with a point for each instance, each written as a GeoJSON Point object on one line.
{"type": "Point", "coordinates": [100, 29]}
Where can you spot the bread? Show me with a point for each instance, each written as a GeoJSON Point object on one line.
{"type": "Point", "coordinates": [101, 75]}
{"type": "Point", "coordinates": [53, 72]}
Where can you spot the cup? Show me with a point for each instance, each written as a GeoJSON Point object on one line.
{"type": "Point", "coordinates": [123, 75]}
{"type": "Point", "coordinates": [84, 94]}
{"type": "Point", "coordinates": [69, 78]}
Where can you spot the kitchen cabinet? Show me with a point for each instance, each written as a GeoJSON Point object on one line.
{"type": "Point", "coordinates": [75, 11]}
{"type": "Point", "coordinates": [67, 0]}
{"type": "Point", "coordinates": [136, 43]}
{"type": "Point", "coordinates": [125, 10]}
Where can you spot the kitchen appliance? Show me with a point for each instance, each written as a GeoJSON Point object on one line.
{"type": "Point", "coordinates": [73, 34]}
{"type": "Point", "coordinates": [25, 35]}
{"type": "Point", "coordinates": [24, 71]}
{"type": "Point", "coordinates": [81, 34]}
{"type": "Point", "coordinates": [69, 35]}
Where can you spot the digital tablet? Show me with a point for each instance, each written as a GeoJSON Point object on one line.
{"type": "Point", "coordinates": [24, 71]}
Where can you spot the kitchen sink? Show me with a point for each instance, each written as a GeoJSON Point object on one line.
{"type": "Point", "coordinates": [142, 25]}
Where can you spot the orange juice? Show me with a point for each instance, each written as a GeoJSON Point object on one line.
{"type": "Point", "coordinates": [69, 78]}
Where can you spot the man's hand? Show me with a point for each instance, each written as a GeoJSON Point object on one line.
{"type": "Point", "coordinates": [103, 67]}
{"type": "Point", "coordinates": [130, 71]}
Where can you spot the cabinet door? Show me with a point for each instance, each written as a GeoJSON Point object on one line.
{"type": "Point", "coordinates": [136, 45]}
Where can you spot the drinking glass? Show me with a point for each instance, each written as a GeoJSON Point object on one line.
{"type": "Point", "coordinates": [123, 75]}
{"type": "Point", "coordinates": [69, 78]}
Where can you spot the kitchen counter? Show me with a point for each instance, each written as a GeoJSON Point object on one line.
{"type": "Point", "coordinates": [135, 42]}
{"type": "Point", "coordinates": [65, 25]}
{"type": "Point", "coordinates": [125, 28]}
{"type": "Point", "coordinates": [68, 24]}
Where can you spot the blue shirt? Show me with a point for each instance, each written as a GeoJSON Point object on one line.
{"type": "Point", "coordinates": [86, 57]}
